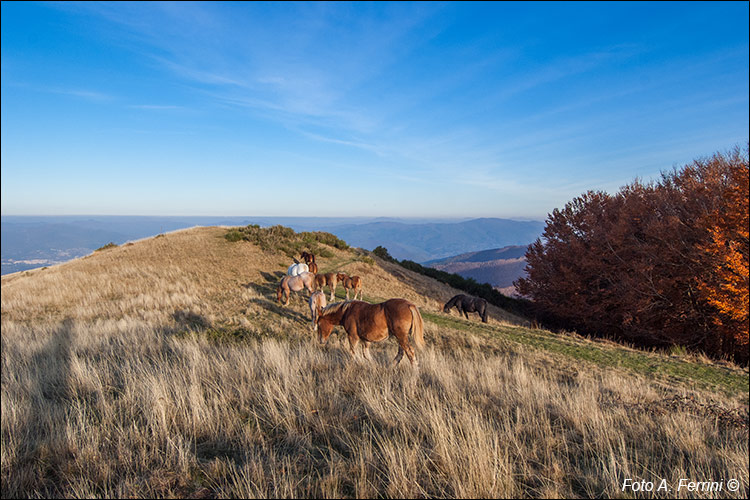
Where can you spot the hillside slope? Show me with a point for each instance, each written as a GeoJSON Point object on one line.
{"type": "Point", "coordinates": [166, 368]}
{"type": "Point", "coordinates": [195, 272]}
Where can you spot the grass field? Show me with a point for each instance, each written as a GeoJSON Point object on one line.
{"type": "Point", "coordinates": [166, 368]}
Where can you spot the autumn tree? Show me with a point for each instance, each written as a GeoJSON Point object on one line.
{"type": "Point", "coordinates": [655, 264]}
{"type": "Point", "coordinates": [727, 250]}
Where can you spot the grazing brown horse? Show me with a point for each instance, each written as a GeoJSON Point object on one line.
{"type": "Point", "coordinates": [355, 283]}
{"type": "Point", "coordinates": [294, 284]}
{"type": "Point", "coordinates": [317, 303]}
{"type": "Point", "coordinates": [328, 279]}
{"type": "Point", "coordinates": [373, 323]}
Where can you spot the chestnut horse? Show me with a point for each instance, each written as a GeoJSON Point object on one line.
{"type": "Point", "coordinates": [328, 279]}
{"type": "Point", "coordinates": [294, 284]}
{"type": "Point", "coordinates": [355, 283]}
{"type": "Point", "coordinates": [373, 323]}
{"type": "Point", "coordinates": [317, 303]}
{"type": "Point", "coordinates": [307, 257]}
{"type": "Point", "coordinates": [466, 304]}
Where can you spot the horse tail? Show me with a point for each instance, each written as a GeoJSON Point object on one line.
{"type": "Point", "coordinates": [417, 327]}
{"type": "Point", "coordinates": [278, 293]}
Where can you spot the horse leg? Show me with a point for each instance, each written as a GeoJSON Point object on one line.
{"type": "Point", "coordinates": [366, 350]}
{"type": "Point", "coordinates": [353, 341]}
{"type": "Point", "coordinates": [398, 357]}
{"type": "Point", "coordinates": [466, 314]}
{"type": "Point", "coordinates": [347, 293]}
{"type": "Point", "coordinates": [404, 347]}
{"type": "Point", "coordinates": [410, 353]}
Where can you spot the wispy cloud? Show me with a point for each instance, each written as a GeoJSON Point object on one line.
{"type": "Point", "coordinates": [156, 107]}
{"type": "Point", "coordinates": [87, 94]}
{"type": "Point", "coordinates": [355, 144]}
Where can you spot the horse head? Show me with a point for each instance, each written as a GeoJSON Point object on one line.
{"type": "Point", "coordinates": [453, 302]}
{"type": "Point", "coordinates": [324, 327]}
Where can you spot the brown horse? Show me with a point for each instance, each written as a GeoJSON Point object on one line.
{"type": "Point", "coordinates": [307, 257]}
{"type": "Point", "coordinates": [328, 279]}
{"type": "Point", "coordinates": [373, 323]}
{"type": "Point", "coordinates": [313, 267]}
{"type": "Point", "coordinates": [355, 283]}
{"type": "Point", "coordinates": [294, 284]}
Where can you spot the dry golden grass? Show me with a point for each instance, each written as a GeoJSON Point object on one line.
{"type": "Point", "coordinates": [165, 368]}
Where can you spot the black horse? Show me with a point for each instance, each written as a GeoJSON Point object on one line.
{"type": "Point", "coordinates": [466, 304]}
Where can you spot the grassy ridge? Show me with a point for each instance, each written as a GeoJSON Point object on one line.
{"type": "Point", "coordinates": [167, 369]}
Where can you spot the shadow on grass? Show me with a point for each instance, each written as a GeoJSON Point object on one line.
{"type": "Point", "coordinates": [284, 311]}
{"type": "Point", "coordinates": [43, 452]}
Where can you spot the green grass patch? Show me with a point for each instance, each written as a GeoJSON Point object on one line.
{"type": "Point", "coordinates": [673, 370]}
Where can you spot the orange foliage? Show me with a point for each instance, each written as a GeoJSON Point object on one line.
{"type": "Point", "coordinates": [726, 288]}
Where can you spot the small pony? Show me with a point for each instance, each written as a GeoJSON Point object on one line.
{"type": "Point", "coordinates": [329, 279]}
{"type": "Point", "coordinates": [317, 303]}
{"type": "Point", "coordinates": [294, 284]}
{"type": "Point", "coordinates": [355, 283]}
{"type": "Point", "coordinates": [466, 304]}
{"type": "Point", "coordinates": [373, 323]}
{"type": "Point", "coordinates": [296, 269]}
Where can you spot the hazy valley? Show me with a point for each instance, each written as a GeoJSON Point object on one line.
{"type": "Point", "coordinates": [29, 242]}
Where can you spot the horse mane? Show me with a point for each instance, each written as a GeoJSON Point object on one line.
{"type": "Point", "coordinates": [453, 300]}
{"type": "Point", "coordinates": [336, 307]}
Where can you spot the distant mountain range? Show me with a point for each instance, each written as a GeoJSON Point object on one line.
{"type": "Point", "coordinates": [34, 241]}
{"type": "Point", "coordinates": [430, 241]}
{"type": "Point", "coordinates": [499, 267]}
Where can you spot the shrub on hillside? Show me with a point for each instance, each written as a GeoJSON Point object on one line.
{"type": "Point", "coordinates": [106, 247]}
{"type": "Point", "coordinates": [325, 238]}
{"type": "Point", "coordinates": [382, 252]}
{"type": "Point", "coordinates": [285, 240]}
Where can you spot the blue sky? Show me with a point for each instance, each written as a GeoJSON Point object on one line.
{"type": "Point", "coordinates": [359, 109]}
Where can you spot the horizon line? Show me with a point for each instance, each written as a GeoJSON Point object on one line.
{"type": "Point", "coordinates": [460, 217]}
